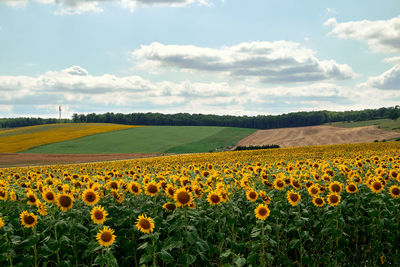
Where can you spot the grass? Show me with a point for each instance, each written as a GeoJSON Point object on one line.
{"type": "Point", "coordinates": [152, 139]}
{"type": "Point", "coordinates": [226, 138]}
{"type": "Point", "coordinates": [386, 124]}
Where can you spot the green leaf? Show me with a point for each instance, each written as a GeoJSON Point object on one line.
{"type": "Point", "coordinates": [165, 256]}
{"type": "Point", "coordinates": [145, 258]}
{"type": "Point", "coordinates": [100, 260]}
{"type": "Point", "coordinates": [240, 261]}
{"type": "Point", "coordinates": [143, 246]}
{"type": "Point", "coordinates": [294, 243]}
{"type": "Point", "coordinates": [225, 254]}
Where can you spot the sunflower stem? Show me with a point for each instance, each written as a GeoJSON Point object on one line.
{"type": "Point", "coordinates": [57, 250]}
{"type": "Point", "coordinates": [263, 245]}
{"type": "Point", "coordinates": [154, 256]}
{"type": "Point", "coordinates": [9, 256]}
{"type": "Point", "coordinates": [35, 250]}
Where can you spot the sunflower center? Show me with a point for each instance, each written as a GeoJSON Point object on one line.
{"type": "Point", "coordinates": [65, 201]}
{"type": "Point", "coordinates": [396, 191]}
{"type": "Point", "coordinates": [280, 184]}
{"type": "Point", "coordinates": [183, 197]}
{"type": "Point", "coordinates": [377, 185]}
{"type": "Point", "coordinates": [90, 197]}
{"type": "Point", "coordinates": [28, 219]}
{"type": "Point", "coordinates": [49, 196]}
{"type": "Point", "coordinates": [335, 188]}
{"type": "Point", "coordinates": [314, 191]}
{"type": "Point", "coordinates": [98, 215]}
{"type": "Point", "coordinates": [318, 201]}
{"type": "Point", "coordinates": [171, 191]}
{"type": "Point", "coordinates": [134, 188]}
{"type": "Point", "coordinates": [215, 198]}
{"type": "Point", "coordinates": [32, 199]}
{"type": "Point", "coordinates": [252, 195]}
{"type": "Point", "coordinates": [114, 185]}
{"type": "Point", "coordinates": [145, 224]}
{"type": "Point", "coordinates": [352, 188]}
{"type": "Point", "coordinates": [152, 189]}
{"type": "Point", "coordinates": [334, 199]}
{"type": "Point", "coordinates": [170, 206]}
{"type": "Point", "coordinates": [294, 197]}
{"type": "Point", "coordinates": [262, 211]}
{"type": "Point", "coordinates": [106, 236]}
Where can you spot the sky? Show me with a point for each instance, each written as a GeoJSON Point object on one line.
{"type": "Point", "coordinates": [232, 57]}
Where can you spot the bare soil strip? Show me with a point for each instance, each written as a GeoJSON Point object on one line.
{"type": "Point", "coordinates": [19, 160]}
{"type": "Point", "coordinates": [317, 135]}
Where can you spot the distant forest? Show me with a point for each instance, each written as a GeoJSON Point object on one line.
{"type": "Point", "coordinates": [293, 119]}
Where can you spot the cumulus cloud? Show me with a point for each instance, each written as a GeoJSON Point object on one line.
{"type": "Point", "coordinates": [389, 80]}
{"type": "Point", "coordinates": [72, 7]}
{"type": "Point", "coordinates": [267, 62]}
{"type": "Point", "coordinates": [380, 35]}
{"type": "Point", "coordinates": [395, 60]}
{"type": "Point", "coordinates": [76, 88]}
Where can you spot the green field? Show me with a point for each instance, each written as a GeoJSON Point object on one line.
{"type": "Point", "coordinates": [152, 139]}
{"type": "Point", "coordinates": [382, 123]}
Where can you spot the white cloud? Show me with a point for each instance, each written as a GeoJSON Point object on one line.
{"type": "Point", "coordinates": [395, 60]}
{"type": "Point", "coordinates": [73, 7]}
{"type": "Point", "coordinates": [76, 90]}
{"type": "Point", "coordinates": [268, 62]}
{"type": "Point", "coordinates": [380, 35]}
{"type": "Point", "coordinates": [15, 3]}
{"type": "Point", "coordinates": [389, 80]}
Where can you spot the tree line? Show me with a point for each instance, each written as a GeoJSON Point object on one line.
{"type": "Point", "coordinates": [293, 119]}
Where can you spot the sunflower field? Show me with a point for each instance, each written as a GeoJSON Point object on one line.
{"type": "Point", "coordinates": [315, 206]}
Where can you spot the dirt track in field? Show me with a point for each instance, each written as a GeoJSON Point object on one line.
{"type": "Point", "coordinates": [317, 135]}
{"type": "Point", "coordinates": [17, 160]}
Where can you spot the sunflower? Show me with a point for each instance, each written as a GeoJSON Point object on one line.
{"type": "Point", "coordinates": [295, 183]}
{"type": "Point", "coordinates": [3, 194]}
{"type": "Point", "coordinates": [279, 184]}
{"type": "Point", "coordinates": [65, 201]}
{"type": "Point", "coordinates": [214, 198]}
{"type": "Point", "coordinates": [98, 215]}
{"type": "Point", "coordinates": [394, 191]}
{"type": "Point", "coordinates": [113, 185]}
{"type": "Point", "coordinates": [333, 199]}
{"type": "Point", "coordinates": [49, 196]}
{"type": "Point", "coordinates": [134, 188]}
{"type": "Point", "coordinates": [376, 186]}
{"type": "Point", "coordinates": [261, 212]}
{"type": "Point", "coordinates": [42, 209]}
{"type": "Point", "coordinates": [313, 190]}
{"type": "Point", "coordinates": [28, 219]}
{"type": "Point", "coordinates": [13, 196]}
{"type": "Point", "coordinates": [182, 197]}
{"type": "Point", "coordinates": [169, 206]}
{"type": "Point", "coordinates": [351, 188]}
{"type": "Point", "coordinates": [335, 187]}
{"type": "Point", "coordinates": [1, 223]}
{"type": "Point", "coordinates": [145, 224]}
{"type": "Point", "coordinates": [293, 197]}
{"type": "Point", "coordinates": [170, 191]}
{"type": "Point", "coordinates": [266, 199]}
{"type": "Point", "coordinates": [151, 189]}
{"type": "Point", "coordinates": [105, 237]}
{"type": "Point", "coordinates": [252, 195]}
{"type": "Point", "coordinates": [90, 197]}
{"type": "Point", "coordinates": [318, 201]}
{"type": "Point", "coordinates": [31, 198]}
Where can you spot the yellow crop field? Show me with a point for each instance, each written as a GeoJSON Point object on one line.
{"type": "Point", "coordinates": [331, 205]}
{"type": "Point", "coordinates": [21, 139]}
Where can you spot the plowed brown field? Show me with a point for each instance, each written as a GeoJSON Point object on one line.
{"type": "Point", "coordinates": [317, 135]}
{"type": "Point", "coordinates": [13, 160]}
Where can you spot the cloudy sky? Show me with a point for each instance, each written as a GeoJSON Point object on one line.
{"type": "Point", "coordinates": [197, 56]}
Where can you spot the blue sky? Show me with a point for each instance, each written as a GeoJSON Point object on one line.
{"type": "Point", "coordinates": [197, 56]}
